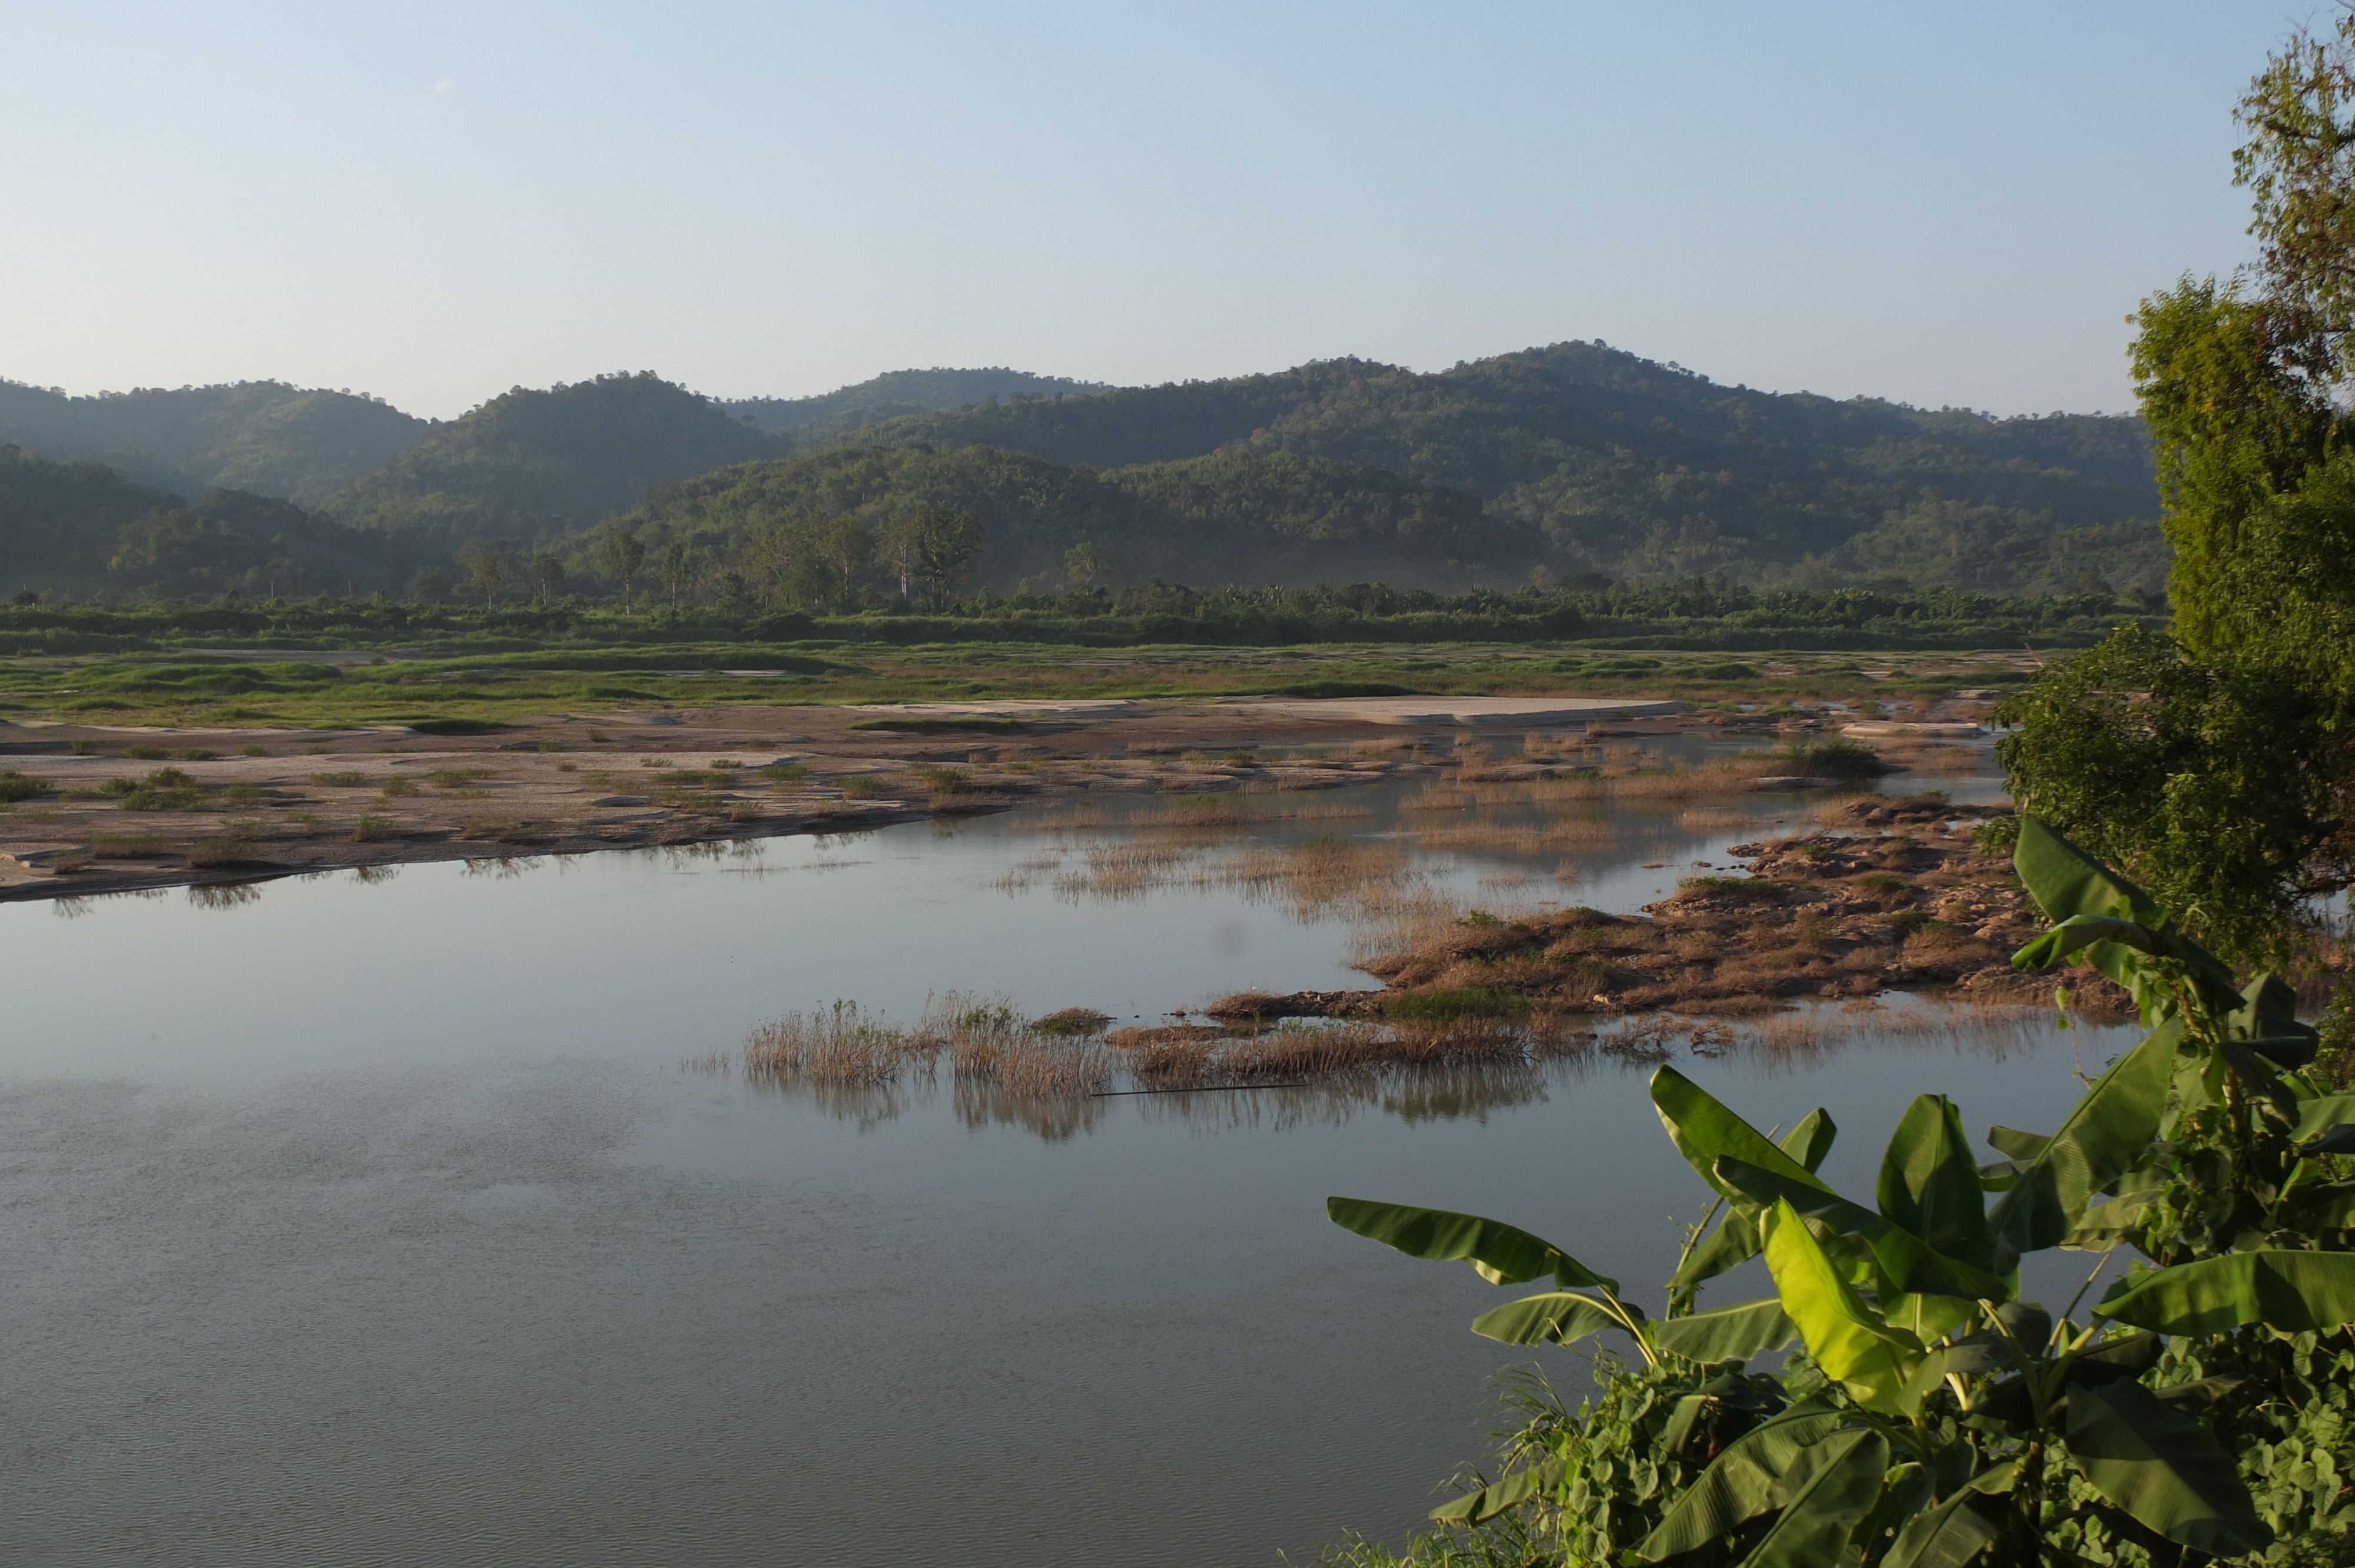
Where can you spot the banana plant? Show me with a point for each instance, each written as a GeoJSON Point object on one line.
{"type": "Point", "coordinates": [2244, 1151]}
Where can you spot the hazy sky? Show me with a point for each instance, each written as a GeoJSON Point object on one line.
{"type": "Point", "coordinates": [1944, 203]}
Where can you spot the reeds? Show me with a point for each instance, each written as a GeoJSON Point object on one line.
{"type": "Point", "coordinates": [840, 1045]}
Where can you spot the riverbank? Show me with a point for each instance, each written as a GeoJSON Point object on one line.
{"type": "Point", "coordinates": [102, 808]}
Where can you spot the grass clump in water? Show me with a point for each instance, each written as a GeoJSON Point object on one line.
{"type": "Point", "coordinates": [1462, 1001]}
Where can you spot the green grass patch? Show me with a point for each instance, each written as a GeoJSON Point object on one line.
{"type": "Point", "coordinates": [1757, 890]}
{"type": "Point", "coordinates": [1464, 1001]}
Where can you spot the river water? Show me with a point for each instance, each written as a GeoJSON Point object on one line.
{"type": "Point", "coordinates": [391, 1222]}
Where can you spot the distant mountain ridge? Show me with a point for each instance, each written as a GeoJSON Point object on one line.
{"type": "Point", "coordinates": [1573, 459]}
{"type": "Point", "coordinates": [261, 435]}
{"type": "Point", "coordinates": [1628, 466]}
{"type": "Point", "coordinates": [896, 393]}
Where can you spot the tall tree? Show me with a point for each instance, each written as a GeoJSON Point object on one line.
{"type": "Point", "coordinates": [932, 545]}
{"type": "Point", "coordinates": [622, 552]}
{"type": "Point", "coordinates": [2220, 768]}
{"type": "Point", "coordinates": [485, 564]}
{"type": "Point", "coordinates": [842, 543]}
{"type": "Point", "coordinates": [674, 570]}
{"type": "Point", "coordinates": [546, 571]}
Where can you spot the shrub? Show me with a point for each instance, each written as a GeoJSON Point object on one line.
{"type": "Point", "coordinates": [862, 787]}
{"type": "Point", "coordinates": [15, 786]}
{"type": "Point", "coordinates": [369, 828]}
{"type": "Point", "coordinates": [218, 852]}
{"type": "Point", "coordinates": [343, 778]}
{"type": "Point", "coordinates": [164, 789]}
{"type": "Point", "coordinates": [146, 753]}
{"type": "Point", "coordinates": [398, 786]}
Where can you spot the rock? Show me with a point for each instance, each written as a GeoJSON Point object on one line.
{"type": "Point", "coordinates": [623, 801]}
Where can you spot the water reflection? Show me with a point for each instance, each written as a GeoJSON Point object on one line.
{"type": "Point", "coordinates": [1802, 1041]}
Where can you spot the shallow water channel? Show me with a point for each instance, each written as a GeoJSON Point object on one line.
{"type": "Point", "coordinates": [390, 1221]}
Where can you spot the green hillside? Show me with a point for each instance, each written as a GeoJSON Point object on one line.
{"type": "Point", "coordinates": [261, 435]}
{"type": "Point", "coordinates": [530, 464]}
{"type": "Point", "coordinates": [896, 393]}
{"type": "Point", "coordinates": [1243, 516]}
{"type": "Point", "coordinates": [77, 525]}
{"type": "Point", "coordinates": [1625, 465]}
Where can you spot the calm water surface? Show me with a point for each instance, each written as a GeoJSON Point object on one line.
{"type": "Point", "coordinates": [379, 1222]}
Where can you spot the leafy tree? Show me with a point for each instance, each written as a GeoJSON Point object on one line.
{"type": "Point", "coordinates": [1086, 564]}
{"type": "Point", "coordinates": [2222, 771]}
{"type": "Point", "coordinates": [488, 568]}
{"type": "Point", "coordinates": [930, 545]}
{"type": "Point", "coordinates": [845, 547]}
{"type": "Point", "coordinates": [622, 552]}
{"type": "Point", "coordinates": [547, 570]}
{"type": "Point", "coordinates": [428, 586]}
{"type": "Point", "coordinates": [674, 570]}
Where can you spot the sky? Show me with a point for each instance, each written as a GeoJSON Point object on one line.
{"type": "Point", "coordinates": [1944, 205]}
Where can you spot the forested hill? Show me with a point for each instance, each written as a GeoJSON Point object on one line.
{"type": "Point", "coordinates": [76, 524]}
{"type": "Point", "coordinates": [262, 435]}
{"type": "Point", "coordinates": [533, 463]}
{"type": "Point", "coordinates": [896, 393]}
{"type": "Point", "coordinates": [1628, 466]}
{"type": "Point", "coordinates": [1251, 517]}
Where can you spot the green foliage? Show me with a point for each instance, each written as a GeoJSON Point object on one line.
{"type": "Point", "coordinates": [15, 786]}
{"type": "Point", "coordinates": [2214, 784]}
{"type": "Point", "coordinates": [1935, 1419]}
{"type": "Point", "coordinates": [1620, 464]}
{"type": "Point", "coordinates": [530, 462]}
{"type": "Point", "coordinates": [1462, 1002]}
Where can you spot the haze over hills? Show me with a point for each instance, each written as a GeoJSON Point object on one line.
{"type": "Point", "coordinates": [262, 435]}
{"type": "Point", "coordinates": [1574, 459]}
{"type": "Point", "coordinates": [896, 393]}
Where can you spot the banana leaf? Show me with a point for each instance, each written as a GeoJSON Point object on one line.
{"type": "Point", "coordinates": [1815, 1528]}
{"type": "Point", "coordinates": [1734, 1240]}
{"type": "Point", "coordinates": [1561, 1317]}
{"type": "Point", "coordinates": [1705, 1131]}
{"type": "Point", "coordinates": [1479, 1507]}
{"type": "Point", "coordinates": [1747, 1479]}
{"type": "Point", "coordinates": [1930, 1184]}
{"type": "Point", "coordinates": [1950, 1534]}
{"type": "Point", "coordinates": [2297, 1292]}
{"type": "Point", "coordinates": [2318, 1117]}
{"type": "Point", "coordinates": [1503, 1254]}
{"type": "Point", "coordinates": [1910, 1265]}
{"type": "Point", "coordinates": [2164, 1468]}
{"type": "Point", "coordinates": [1873, 1361]}
{"type": "Point", "coordinates": [2108, 1134]}
{"type": "Point", "coordinates": [2266, 1020]}
{"type": "Point", "coordinates": [1727, 1334]}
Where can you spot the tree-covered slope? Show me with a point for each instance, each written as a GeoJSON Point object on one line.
{"type": "Point", "coordinates": [1626, 465]}
{"type": "Point", "coordinates": [78, 525]}
{"type": "Point", "coordinates": [261, 435]}
{"type": "Point", "coordinates": [1235, 517]}
{"type": "Point", "coordinates": [896, 393]}
{"type": "Point", "coordinates": [532, 463]}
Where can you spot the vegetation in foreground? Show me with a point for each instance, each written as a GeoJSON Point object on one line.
{"type": "Point", "coordinates": [2199, 1414]}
